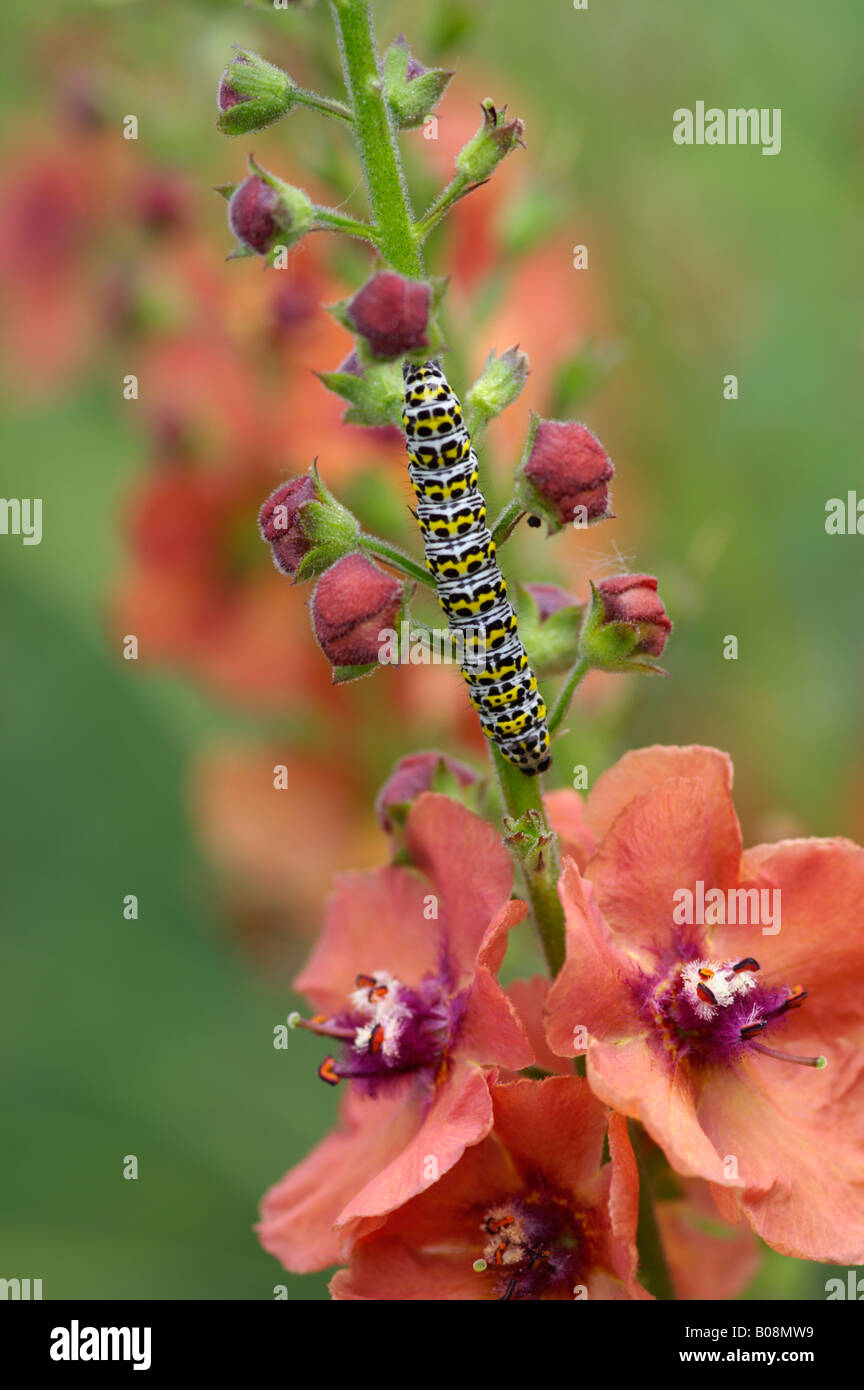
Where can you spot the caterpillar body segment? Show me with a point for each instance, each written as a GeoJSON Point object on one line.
{"type": "Point", "coordinates": [460, 556]}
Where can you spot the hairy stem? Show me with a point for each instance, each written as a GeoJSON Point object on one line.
{"type": "Point", "coordinates": [565, 694]}
{"type": "Point", "coordinates": [376, 138]}
{"type": "Point", "coordinates": [399, 244]}
{"type": "Point", "coordinates": [329, 220]}
{"type": "Point", "coordinates": [396, 558]}
{"type": "Point", "coordinates": [521, 795]}
{"type": "Point", "coordinates": [328, 106]}
{"type": "Point", "coordinates": [455, 190]}
{"type": "Point", "coordinates": [507, 521]}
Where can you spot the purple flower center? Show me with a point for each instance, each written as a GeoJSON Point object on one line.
{"type": "Point", "coordinates": [720, 1010]}
{"type": "Point", "coordinates": [531, 1246]}
{"type": "Point", "coordinates": [391, 1030]}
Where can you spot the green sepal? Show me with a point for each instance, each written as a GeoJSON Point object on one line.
{"type": "Point", "coordinates": [375, 398]}
{"type": "Point", "coordinates": [552, 643]}
{"type": "Point", "coordinates": [269, 94]}
{"type": "Point", "coordinates": [411, 99]}
{"type": "Point", "coordinates": [343, 674]}
{"type": "Point", "coordinates": [495, 139]}
{"type": "Point", "coordinates": [333, 530]}
{"type": "Point", "coordinates": [499, 384]}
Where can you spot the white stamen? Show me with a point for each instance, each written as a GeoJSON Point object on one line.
{"type": "Point", "coordinates": [388, 1011]}
{"type": "Point", "coordinates": [359, 998]}
{"type": "Point", "coordinates": [722, 981]}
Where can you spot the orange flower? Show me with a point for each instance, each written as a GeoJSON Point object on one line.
{"type": "Point", "coordinates": [707, 1256]}
{"type": "Point", "coordinates": [403, 979]}
{"type": "Point", "coordinates": [680, 1004]}
{"type": "Point", "coordinates": [529, 1213]}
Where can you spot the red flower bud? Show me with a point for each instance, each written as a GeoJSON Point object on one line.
{"type": "Point", "coordinates": [253, 214]}
{"type": "Point", "coordinates": [306, 528]}
{"type": "Point", "coordinates": [281, 523]}
{"type": "Point", "coordinates": [391, 313]}
{"type": "Point", "coordinates": [413, 775]}
{"type": "Point", "coordinates": [353, 602]}
{"type": "Point", "coordinates": [633, 599]}
{"type": "Point", "coordinates": [265, 213]}
{"type": "Point", "coordinates": [565, 468]}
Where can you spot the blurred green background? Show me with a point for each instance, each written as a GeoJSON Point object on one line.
{"type": "Point", "coordinates": [153, 1037]}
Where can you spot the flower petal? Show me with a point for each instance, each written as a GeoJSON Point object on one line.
{"type": "Point", "coordinates": [800, 1154]}
{"type": "Point", "coordinates": [460, 1115]}
{"type": "Point", "coordinates": [557, 1123]}
{"type": "Point", "coordinates": [387, 1269]}
{"type": "Point", "coordinates": [470, 870]}
{"type": "Point", "coordinates": [643, 769]}
{"type": "Point", "coordinates": [374, 921]}
{"type": "Point", "coordinates": [593, 990]}
{"type": "Point", "coordinates": [491, 1031]}
{"type": "Point", "coordinates": [661, 843]}
{"type": "Point", "coordinates": [567, 817]}
{"type": "Point", "coordinates": [708, 1258]}
{"type": "Point", "coordinates": [529, 998]}
{"type": "Point", "coordinates": [820, 943]}
{"type": "Point", "coordinates": [624, 1208]}
{"type": "Point", "coordinates": [298, 1213]}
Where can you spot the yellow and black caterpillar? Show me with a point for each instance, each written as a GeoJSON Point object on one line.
{"type": "Point", "coordinates": [460, 555]}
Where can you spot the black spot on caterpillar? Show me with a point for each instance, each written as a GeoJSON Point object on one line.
{"type": "Point", "coordinates": [460, 556]}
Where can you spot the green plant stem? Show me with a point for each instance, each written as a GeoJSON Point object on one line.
{"type": "Point", "coordinates": [399, 244]}
{"type": "Point", "coordinates": [521, 794]}
{"type": "Point", "coordinates": [653, 1268]}
{"type": "Point", "coordinates": [329, 220]}
{"type": "Point", "coordinates": [507, 521]}
{"type": "Point", "coordinates": [376, 138]}
{"type": "Point", "coordinates": [565, 694]}
{"type": "Point", "coordinates": [328, 106]}
{"type": "Point", "coordinates": [397, 559]}
{"type": "Point", "coordinates": [439, 209]}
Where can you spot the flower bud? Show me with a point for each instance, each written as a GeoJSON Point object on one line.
{"type": "Point", "coordinates": [493, 142]}
{"type": "Point", "coordinates": [412, 90]}
{"type": "Point", "coordinates": [549, 623]}
{"type": "Point", "coordinates": [626, 624]}
{"type": "Point", "coordinates": [390, 313]}
{"type": "Point", "coordinates": [306, 528]}
{"type": "Point", "coordinates": [354, 602]}
{"type": "Point", "coordinates": [417, 773]}
{"type": "Point", "coordinates": [549, 599]}
{"type": "Point", "coordinates": [564, 474]}
{"type": "Point", "coordinates": [374, 393]}
{"type": "Point", "coordinates": [498, 385]}
{"type": "Point", "coordinates": [264, 213]}
{"type": "Point", "coordinates": [252, 94]}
